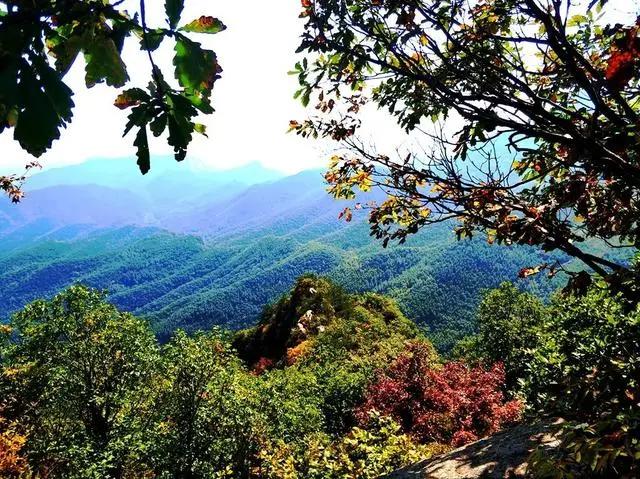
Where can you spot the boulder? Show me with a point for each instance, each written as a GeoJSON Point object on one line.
{"type": "Point", "coordinates": [503, 455]}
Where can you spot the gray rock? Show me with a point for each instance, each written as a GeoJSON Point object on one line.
{"type": "Point", "coordinates": [501, 456]}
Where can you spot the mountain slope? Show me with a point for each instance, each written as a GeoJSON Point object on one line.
{"type": "Point", "coordinates": [218, 259]}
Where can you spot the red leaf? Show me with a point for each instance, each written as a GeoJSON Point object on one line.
{"type": "Point", "coordinates": [620, 69]}
{"type": "Point", "coordinates": [124, 101]}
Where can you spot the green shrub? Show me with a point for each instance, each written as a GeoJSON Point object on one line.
{"type": "Point", "coordinates": [290, 403]}
{"type": "Point", "coordinates": [587, 360]}
{"type": "Point", "coordinates": [587, 369]}
{"type": "Point", "coordinates": [207, 424]}
{"type": "Point", "coordinates": [360, 454]}
{"type": "Point", "coordinates": [509, 323]}
{"type": "Point", "coordinates": [606, 448]}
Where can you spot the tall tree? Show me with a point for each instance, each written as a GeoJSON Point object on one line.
{"type": "Point", "coordinates": [529, 109]}
{"type": "Point", "coordinates": [207, 409]}
{"type": "Point", "coordinates": [39, 42]}
{"type": "Point", "coordinates": [77, 376]}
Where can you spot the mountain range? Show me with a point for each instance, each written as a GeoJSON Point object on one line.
{"type": "Point", "coordinates": [191, 249]}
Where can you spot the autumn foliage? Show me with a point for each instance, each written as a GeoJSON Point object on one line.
{"type": "Point", "coordinates": [623, 60]}
{"type": "Point", "coordinates": [453, 404]}
{"type": "Point", "coordinates": [12, 463]}
{"type": "Point", "coordinates": [544, 149]}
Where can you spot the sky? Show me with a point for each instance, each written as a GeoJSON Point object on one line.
{"type": "Point", "coordinates": [253, 100]}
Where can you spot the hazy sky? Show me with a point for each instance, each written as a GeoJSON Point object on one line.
{"type": "Point", "coordinates": [253, 100]}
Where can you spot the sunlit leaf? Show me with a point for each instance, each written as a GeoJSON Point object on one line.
{"type": "Point", "coordinates": [200, 128]}
{"type": "Point", "coordinates": [204, 25]}
{"type": "Point", "coordinates": [195, 68]}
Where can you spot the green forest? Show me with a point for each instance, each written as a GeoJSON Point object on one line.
{"type": "Point", "coordinates": [327, 385]}
{"type": "Point", "coordinates": [195, 283]}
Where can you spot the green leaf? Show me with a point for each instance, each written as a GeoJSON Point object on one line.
{"type": "Point", "coordinates": [58, 93]}
{"type": "Point", "coordinates": [158, 125]}
{"type": "Point", "coordinates": [65, 51]}
{"type": "Point", "coordinates": [173, 8]}
{"type": "Point", "coordinates": [202, 104]}
{"type": "Point", "coordinates": [204, 25]}
{"type": "Point", "coordinates": [45, 105]}
{"type": "Point", "coordinates": [179, 137]}
{"type": "Point", "coordinates": [9, 83]}
{"type": "Point", "coordinates": [152, 39]}
{"type": "Point", "coordinates": [180, 125]}
{"type": "Point", "coordinates": [120, 29]}
{"type": "Point", "coordinates": [141, 142]}
{"type": "Point", "coordinates": [38, 123]}
{"type": "Point", "coordinates": [576, 20]}
{"type": "Point", "coordinates": [306, 97]}
{"type": "Point", "coordinates": [104, 63]}
{"type": "Point", "coordinates": [195, 68]}
{"type": "Point", "coordinates": [200, 128]}
{"type": "Point", "coordinates": [139, 116]}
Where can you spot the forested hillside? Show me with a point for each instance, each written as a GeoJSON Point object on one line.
{"type": "Point", "coordinates": [241, 253]}
{"type": "Point", "coordinates": [291, 404]}
{"type": "Point", "coordinates": [327, 385]}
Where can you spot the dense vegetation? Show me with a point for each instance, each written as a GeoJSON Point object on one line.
{"type": "Point", "coordinates": [327, 385]}
{"type": "Point", "coordinates": [88, 392]}
{"type": "Point", "coordinates": [575, 358]}
{"type": "Point", "coordinates": [193, 283]}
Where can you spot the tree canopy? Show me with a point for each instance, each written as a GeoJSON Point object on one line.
{"type": "Point", "coordinates": [41, 40]}
{"type": "Point", "coordinates": [527, 111]}
{"type": "Point", "coordinates": [87, 392]}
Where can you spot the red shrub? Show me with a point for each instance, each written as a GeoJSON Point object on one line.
{"type": "Point", "coordinates": [452, 404]}
{"type": "Point", "coordinates": [262, 365]}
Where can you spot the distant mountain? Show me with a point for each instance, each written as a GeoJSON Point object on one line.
{"type": "Point", "coordinates": [112, 192]}
{"type": "Point", "coordinates": [297, 198]}
{"type": "Point", "coordinates": [216, 257]}
{"type": "Point", "coordinates": [80, 204]}
{"type": "Point", "coordinates": [165, 172]}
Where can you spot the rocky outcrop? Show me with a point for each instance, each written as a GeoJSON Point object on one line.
{"type": "Point", "coordinates": [503, 455]}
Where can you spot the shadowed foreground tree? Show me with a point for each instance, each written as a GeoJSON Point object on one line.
{"type": "Point", "coordinates": [529, 107]}
{"type": "Point", "coordinates": [39, 42]}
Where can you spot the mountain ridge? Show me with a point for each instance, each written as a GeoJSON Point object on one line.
{"type": "Point", "coordinates": [218, 259]}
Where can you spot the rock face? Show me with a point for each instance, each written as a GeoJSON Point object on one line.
{"type": "Point", "coordinates": [503, 455]}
